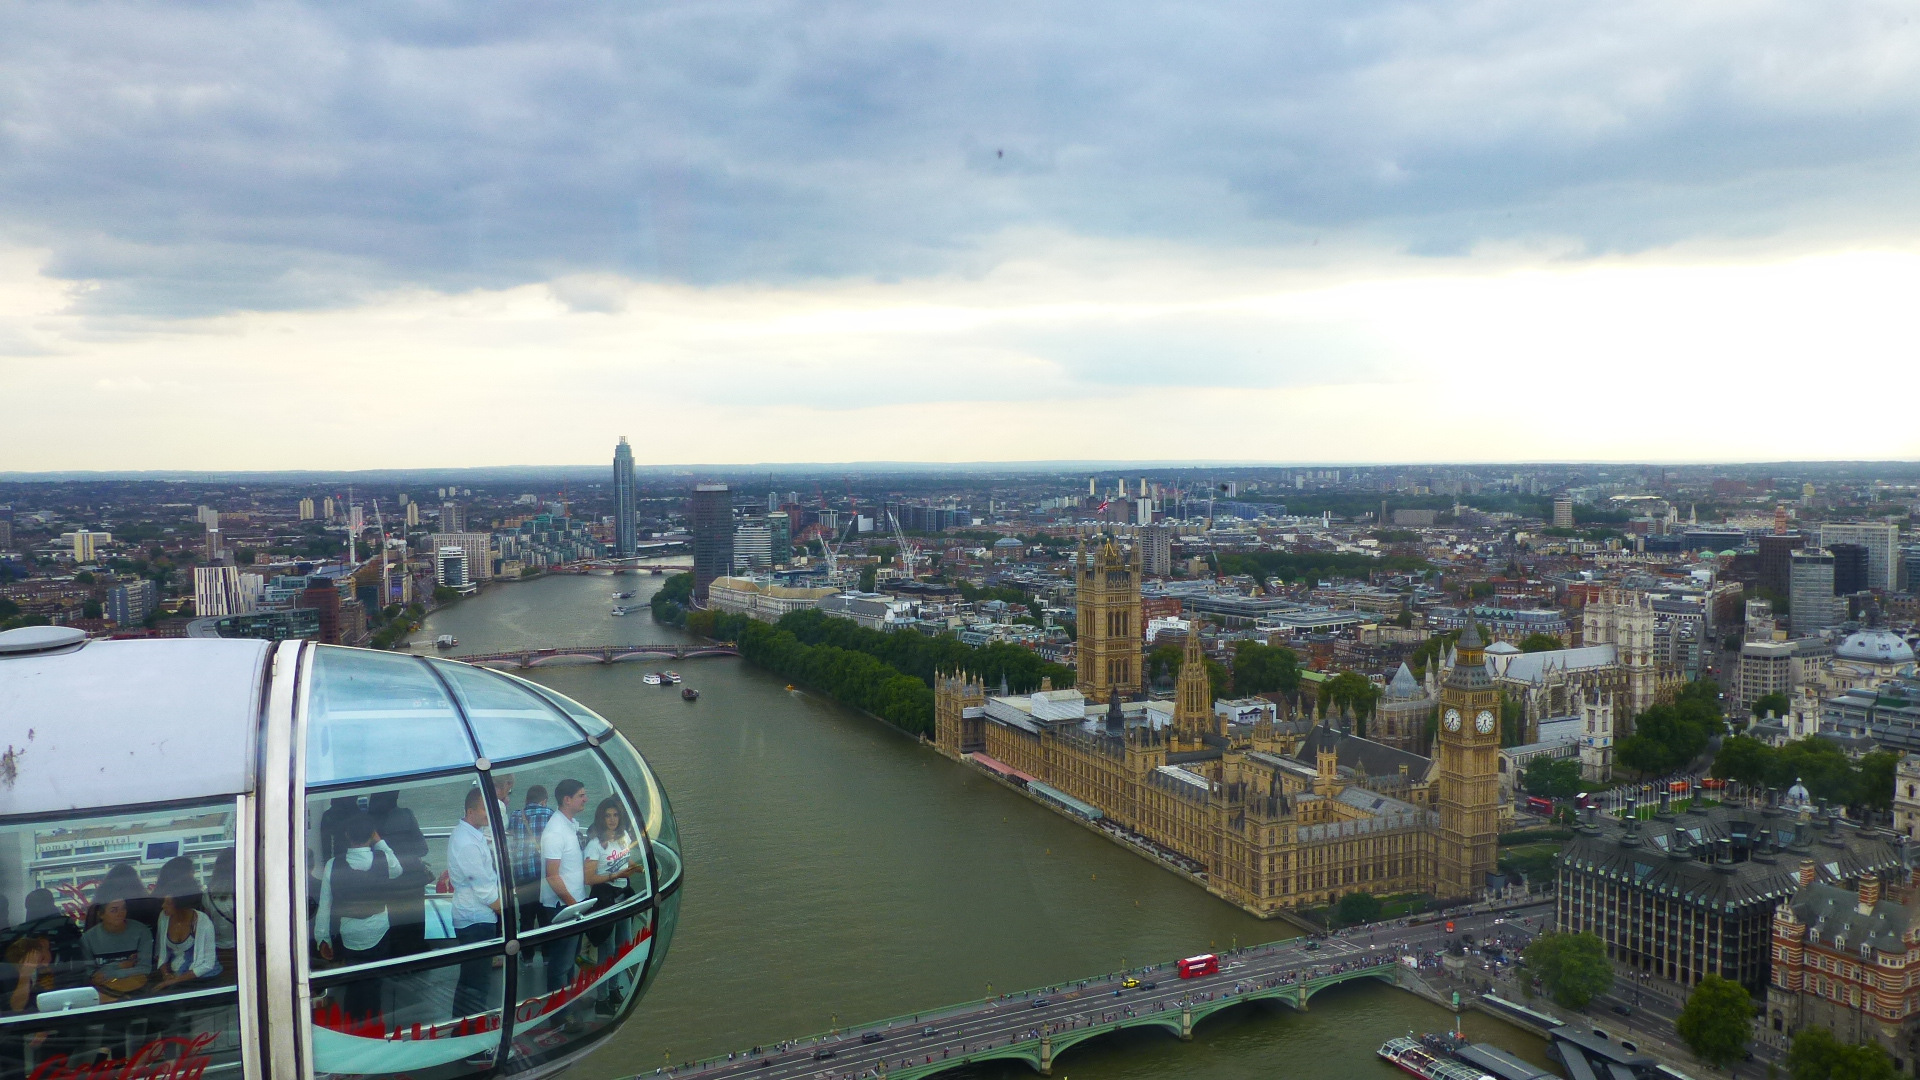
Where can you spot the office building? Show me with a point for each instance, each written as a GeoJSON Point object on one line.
{"type": "Point", "coordinates": [1776, 561]}
{"type": "Point", "coordinates": [1156, 542]}
{"type": "Point", "coordinates": [711, 511]}
{"type": "Point", "coordinates": [1766, 667]}
{"type": "Point", "coordinates": [479, 551]}
{"type": "Point", "coordinates": [1563, 511]}
{"type": "Point", "coordinates": [1811, 606]}
{"type": "Point", "coordinates": [1882, 541]}
{"type": "Point", "coordinates": [1851, 568]}
{"type": "Point", "coordinates": [323, 596]}
{"type": "Point", "coordinates": [130, 602]}
{"type": "Point", "coordinates": [450, 567]}
{"type": "Point", "coordinates": [752, 545]}
{"type": "Point", "coordinates": [624, 538]}
{"type": "Point", "coordinates": [453, 517]}
{"type": "Point", "coordinates": [86, 545]}
{"type": "Point", "coordinates": [780, 537]}
{"type": "Point", "coordinates": [219, 590]}
{"type": "Point", "coordinates": [306, 509]}
{"type": "Point", "coordinates": [1686, 895]}
{"type": "Point", "coordinates": [6, 534]}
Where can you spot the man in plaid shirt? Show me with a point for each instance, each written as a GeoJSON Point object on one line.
{"type": "Point", "coordinates": [523, 851]}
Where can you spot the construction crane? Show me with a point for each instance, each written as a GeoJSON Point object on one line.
{"type": "Point", "coordinates": [833, 550]}
{"type": "Point", "coordinates": [908, 553]}
{"type": "Point", "coordinates": [386, 581]}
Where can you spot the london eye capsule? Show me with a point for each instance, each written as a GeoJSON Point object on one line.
{"type": "Point", "coordinates": [250, 859]}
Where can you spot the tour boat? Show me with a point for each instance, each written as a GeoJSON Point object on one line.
{"type": "Point", "coordinates": [688, 693]}
{"type": "Point", "coordinates": [651, 678]}
{"type": "Point", "coordinates": [672, 677]}
{"type": "Point", "coordinates": [623, 596]}
{"type": "Point", "coordinates": [1425, 1063]}
{"type": "Point", "coordinates": [789, 687]}
{"type": "Point", "coordinates": [445, 641]}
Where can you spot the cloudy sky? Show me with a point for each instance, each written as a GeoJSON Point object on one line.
{"type": "Point", "coordinates": [393, 235]}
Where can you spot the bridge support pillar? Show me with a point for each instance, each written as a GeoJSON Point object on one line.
{"type": "Point", "coordinates": [526, 661]}
{"type": "Point", "coordinates": [606, 656]}
{"type": "Point", "coordinates": [1186, 1021]}
{"type": "Point", "coordinates": [1046, 1055]}
{"type": "Point", "coordinates": [1300, 998]}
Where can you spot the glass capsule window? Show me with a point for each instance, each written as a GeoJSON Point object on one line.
{"type": "Point", "coordinates": [489, 865]}
{"type": "Point", "coordinates": [120, 954]}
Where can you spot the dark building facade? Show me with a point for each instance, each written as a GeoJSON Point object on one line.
{"type": "Point", "coordinates": [623, 507]}
{"type": "Point", "coordinates": [1776, 561]}
{"type": "Point", "coordinates": [712, 519]}
{"type": "Point", "coordinates": [1684, 895]}
{"type": "Point", "coordinates": [1849, 568]}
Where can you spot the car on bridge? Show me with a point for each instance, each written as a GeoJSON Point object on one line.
{"type": "Point", "coordinates": [824, 1053]}
{"type": "Point", "coordinates": [871, 1037]}
{"type": "Point", "coordinates": [1131, 982]}
{"type": "Point", "coordinates": [1041, 1003]}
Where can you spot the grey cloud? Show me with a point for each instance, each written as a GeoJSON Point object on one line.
{"type": "Point", "coordinates": [206, 158]}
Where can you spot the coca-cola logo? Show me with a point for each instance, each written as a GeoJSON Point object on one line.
{"type": "Point", "coordinates": [169, 1058]}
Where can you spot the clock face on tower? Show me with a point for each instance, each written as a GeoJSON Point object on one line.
{"type": "Point", "coordinates": [1453, 719]}
{"type": "Point", "coordinates": [1483, 723]}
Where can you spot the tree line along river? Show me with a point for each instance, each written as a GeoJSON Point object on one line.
{"type": "Point", "coordinates": [838, 872]}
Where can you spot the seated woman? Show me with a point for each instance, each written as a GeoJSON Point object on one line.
{"type": "Point", "coordinates": [30, 965]}
{"type": "Point", "coordinates": [122, 882]}
{"type": "Point", "coordinates": [186, 938]}
{"type": "Point", "coordinates": [119, 950]}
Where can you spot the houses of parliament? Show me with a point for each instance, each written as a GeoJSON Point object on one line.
{"type": "Point", "coordinates": [1273, 817]}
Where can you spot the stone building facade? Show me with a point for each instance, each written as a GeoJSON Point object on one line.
{"type": "Point", "coordinates": [1107, 620]}
{"type": "Point", "coordinates": [1846, 957]}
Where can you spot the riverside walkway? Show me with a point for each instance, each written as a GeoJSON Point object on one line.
{"type": "Point", "coordinates": [1036, 1026]}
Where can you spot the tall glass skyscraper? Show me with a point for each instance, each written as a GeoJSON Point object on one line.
{"type": "Point", "coordinates": [624, 543]}
{"type": "Point", "coordinates": [712, 514]}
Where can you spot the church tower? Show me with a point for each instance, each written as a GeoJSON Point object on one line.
{"type": "Point", "coordinates": [1108, 621]}
{"type": "Point", "coordinates": [1469, 767]}
{"type": "Point", "coordinates": [1193, 713]}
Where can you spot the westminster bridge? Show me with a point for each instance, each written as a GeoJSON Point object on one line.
{"type": "Point", "coordinates": [1037, 1026]}
{"type": "Point", "coordinates": [598, 654]}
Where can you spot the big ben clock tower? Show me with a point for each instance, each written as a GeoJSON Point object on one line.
{"type": "Point", "coordinates": [1469, 757]}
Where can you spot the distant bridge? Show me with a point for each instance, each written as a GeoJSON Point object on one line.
{"type": "Point", "coordinates": [598, 654]}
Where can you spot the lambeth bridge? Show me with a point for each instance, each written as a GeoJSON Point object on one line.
{"type": "Point", "coordinates": [598, 654]}
{"type": "Point", "coordinates": [1036, 1026]}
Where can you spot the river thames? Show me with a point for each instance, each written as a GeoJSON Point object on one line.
{"type": "Point", "coordinates": [839, 872]}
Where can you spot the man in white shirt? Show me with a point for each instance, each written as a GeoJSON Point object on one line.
{"type": "Point", "coordinates": [474, 871]}
{"type": "Point", "coordinates": [565, 881]}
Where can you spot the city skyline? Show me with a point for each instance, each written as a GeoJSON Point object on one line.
{"type": "Point", "coordinates": [1336, 233]}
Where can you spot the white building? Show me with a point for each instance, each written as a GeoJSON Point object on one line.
{"type": "Point", "coordinates": [1882, 541]}
{"type": "Point", "coordinates": [752, 545]}
{"type": "Point", "coordinates": [450, 567]}
{"type": "Point", "coordinates": [761, 599]}
{"type": "Point", "coordinates": [220, 590]}
{"type": "Point", "coordinates": [306, 509]}
{"type": "Point", "coordinates": [476, 545]}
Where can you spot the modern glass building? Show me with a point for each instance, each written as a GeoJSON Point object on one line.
{"type": "Point", "coordinates": [250, 859]}
{"type": "Point", "coordinates": [624, 539]}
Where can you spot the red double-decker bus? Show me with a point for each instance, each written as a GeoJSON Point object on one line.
{"type": "Point", "coordinates": [1195, 966]}
{"type": "Point", "coordinates": [1539, 805]}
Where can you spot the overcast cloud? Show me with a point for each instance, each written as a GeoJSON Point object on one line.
{"type": "Point", "coordinates": [1102, 195]}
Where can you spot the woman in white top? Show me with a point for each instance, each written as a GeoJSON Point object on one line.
{"type": "Point", "coordinates": [185, 942]}
{"type": "Point", "coordinates": [613, 855]}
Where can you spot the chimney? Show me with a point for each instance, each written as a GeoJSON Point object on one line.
{"type": "Point", "coordinates": [1806, 872]}
{"type": "Point", "coordinates": [1869, 892]}
{"type": "Point", "coordinates": [1666, 800]}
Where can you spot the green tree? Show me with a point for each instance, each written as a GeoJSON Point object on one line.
{"type": "Point", "coordinates": [867, 579]}
{"type": "Point", "coordinates": [84, 577]}
{"type": "Point", "coordinates": [91, 610]}
{"type": "Point", "coordinates": [1264, 669]}
{"type": "Point", "coordinates": [444, 595]}
{"type": "Point", "coordinates": [1541, 643]}
{"type": "Point", "coordinates": [1817, 1055]}
{"type": "Point", "coordinates": [1775, 703]}
{"type": "Point", "coordinates": [1717, 1022]}
{"type": "Point", "coordinates": [1359, 907]}
{"type": "Point", "coordinates": [1747, 760]}
{"type": "Point", "coordinates": [1352, 693]}
{"type": "Point", "coordinates": [1553, 778]}
{"type": "Point", "coordinates": [1573, 967]}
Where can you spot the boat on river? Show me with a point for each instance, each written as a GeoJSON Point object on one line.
{"type": "Point", "coordinates": [656, 571]}
{"type": "Point", "coordinates": [652, 678]}
{"type": "Point", "coordinates": [672, 677]}
{"type": "Point", "coordinates": [445, 641]}
{"type": "Point", "coordinates": [623, 596]}
{"type": "Point", "coordinates": [620, 611]}
{"type": "Point", "coordinates": [688, 693]}
{"type": "Point", "coordinates": [1427, 1063]}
